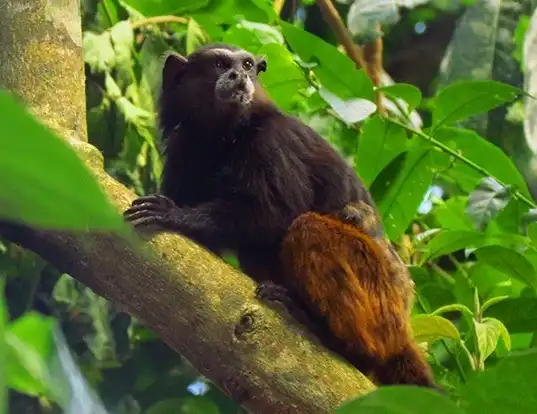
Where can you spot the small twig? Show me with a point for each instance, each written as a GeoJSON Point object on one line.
{"type": "Point", "coordinates": [369, 57]}
{"type": "Point", "coordinates": [158, 20]}
{"type": "Point", "coordinates": [343, 35]}
{"type": "Point", "coordinates": [372, 53]}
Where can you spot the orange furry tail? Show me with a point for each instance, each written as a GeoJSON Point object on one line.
{"type": "Point", "coordinates": [347, 276]}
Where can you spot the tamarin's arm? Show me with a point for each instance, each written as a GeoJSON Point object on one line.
{"type": "Point", "coordinates": [217, 222]}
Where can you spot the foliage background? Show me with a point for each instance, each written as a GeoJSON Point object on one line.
{"type": "Point", "coordinates": [457, 198]}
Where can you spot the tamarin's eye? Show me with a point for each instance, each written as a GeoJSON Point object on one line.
{"type": "Point", "coordinates": [248, 64]}
{"type": "Point", "coordinates": [219, 63]}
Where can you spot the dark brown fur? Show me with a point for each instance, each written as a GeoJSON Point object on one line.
{"type": "Point", "coordinates": [249, 178]}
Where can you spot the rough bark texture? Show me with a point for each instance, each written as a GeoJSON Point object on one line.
{"type": "Point", "coordinates": [197, 304]}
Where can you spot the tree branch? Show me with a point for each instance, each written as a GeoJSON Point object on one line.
{"type": "Point", "coordinates": [195, 302]}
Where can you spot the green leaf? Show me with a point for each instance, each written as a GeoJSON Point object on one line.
{"type": "Point", "coordinates": [409, 93]}
{"type": "Point", "coordinates": [350, 111]}
{"type": "Point", "coordinates": [508, 387]}
{"type": "Point", "coordinates": [399, 203]}
{"type": "Point", "coordinates": [483, 153]}
{"type": "Point", "coordinates": [29, 349]}
{"type": "Point", "coordinates": [122, 37]}
{"type": "Point", "coordinates": [532, 232]}
{"type": "Point", "coordinates": [400, 400]}
{"type": "Point", "coordinates": [336, 71]}
{"type": "Point", "coordinates": [379, 143]}
{"type": "Point", "coordinates": [53, 189]}
{"type": "Point", "coordinates": [164, 7]}
{"type": "Point", "coordinates": [451, 214]}
{"type": "Point", "coordinates": [99, 52]}
{"type": "Point", "coordinates": [508, 261]}
{"type": "Point", "coordinates": [518, 314]}
{"type": "Point", "coordinates": [195, 37]}
{"type": "Point", "coordinates": [449, 241]}
{"type": "Point", "coordinates": [463, 99]}
{"type": "Point", "coordinates": [430, 328]}
{"type": "Point", "coordinates": [453, 307]}
{"type": "Point", "coordinates": [285, 92]}
{"type": "Point", "coordinates": [487, 334]}
{"type": "Point", "coordinates": [486, 202]}
{"type": "Point", "coordinates": [492, 301]}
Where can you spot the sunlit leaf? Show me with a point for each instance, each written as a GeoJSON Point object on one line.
{"type": "Point", "coordinates": [462, 99]}
{"type": "Point", "coordinates": [98, 51]}
{"type": "Point", "coordinates": [430, 328]}
{"type": "Point", "coordinates": [451, 308]}
{"type": "Point", "coordinates": [122, 37]}
{"type": "Point", "coordinates": [487, 334]}
{"type": "Point", "coordinates": [195, 37]}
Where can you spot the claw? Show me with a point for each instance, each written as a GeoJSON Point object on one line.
{"type": "Point", "coordinates": [150, 210]}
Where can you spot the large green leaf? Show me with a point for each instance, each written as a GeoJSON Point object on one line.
{"type": "Point", "coordinates": [379, 143]}
{"type": "Point", "coordinates": [400, 201]}
{"type": "Point", "coordinates": [463, 99]}
{"type": "Point", "coordinates": [285, 91]}
{"type": "Point", "coordinates": [400, 400]}
{"type": "Point", "coordinates": [510, 262]}
{"type": "Point", "coordinates": [44, 183]}
{"type": "Point", "coordinates": [487, 334]}
{"type": "Point", "coordinates": [336, 71]}
{"type": "Point", "coordinates": [508, 387]}
{"type": "Point", "coordinates": [484, 154]}
{"type": "Point", "coordinates": [518, 314]}
{"type": "Point", "coordinates": [449, 241]}
{"type": "Point", "coordinates": [29, 349]}
{"type": "Point", "coordinates": [430, 328]}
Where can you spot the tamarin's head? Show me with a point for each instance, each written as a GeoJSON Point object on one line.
{"type": "Point", "coordinates": [216, 79]}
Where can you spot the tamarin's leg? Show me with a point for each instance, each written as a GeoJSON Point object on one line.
{"type": "Point", "coordinates": [345, 277]}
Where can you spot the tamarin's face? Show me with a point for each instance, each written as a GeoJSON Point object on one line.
{"type": "Point", "coordinates": [215, 77]}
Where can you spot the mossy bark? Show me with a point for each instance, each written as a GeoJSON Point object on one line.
{"type": "Point", "coordinates": [194, 301]}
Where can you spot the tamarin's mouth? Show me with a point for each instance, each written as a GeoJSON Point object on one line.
{"type": "Point", "coordinates": [238, 91]}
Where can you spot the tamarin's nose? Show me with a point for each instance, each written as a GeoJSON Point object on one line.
{"type": "Point", "coordinates": [233, 74]}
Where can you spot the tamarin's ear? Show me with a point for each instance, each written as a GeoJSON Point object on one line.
{"type": "Point", "coordinates": [261, 64]}
{"type": "Point", "coordinates": [173, 67]}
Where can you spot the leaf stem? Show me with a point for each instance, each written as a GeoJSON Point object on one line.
{"type": "Point", "coordinates": [517, 194]}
